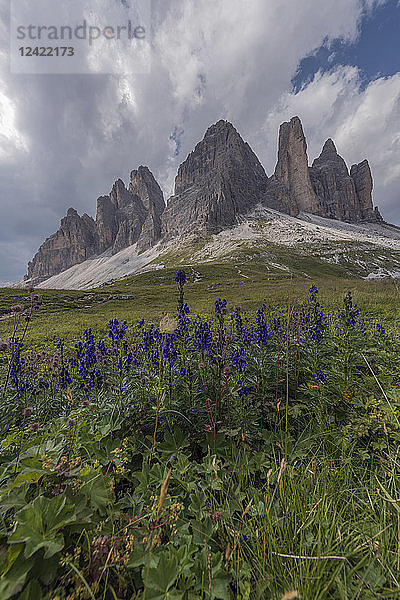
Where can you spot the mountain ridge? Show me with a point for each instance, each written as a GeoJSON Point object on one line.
{"type": "Point", "coordinates": [220, 180]}
{"type": "Point", "coordinates": [282, 243]}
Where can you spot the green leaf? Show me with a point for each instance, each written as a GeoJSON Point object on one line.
{"type": "Point", "coordinates": [14, 499]}
{"type": "Point", "coordinates": [31, 463]}
{"type": "Point", "coordinates": [184, 558]}
{"type": "Point", "coordinates": [29, 477]}
{"type": "Point", "coordinates": [230, 432]}
{"type": "Point", "coordinates": [174, 442]}
{"type": "Point", "coordinates": [13, 553]}
{"type": "Point", "coordinates": [15, 572]}
{"type": "Point", "coordinates": [138, 558]}
{"type": "Point", "coordinates": [170, 595]}
{"type": "Point", "coordinates": [220, 587]}
{"type": "Point", "coordinates": [39, 523]}
{"type": "Point", "coordinates": [32, 591]}
{"type": "Point", "coordinates": [96, 487]}
{"type": "Point", "coordinates": [161, 578]}
{"type": "Point", "coordinates": [218, 444]}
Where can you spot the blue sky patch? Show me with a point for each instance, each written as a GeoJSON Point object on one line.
{"type": "Point", "coordinates": [376, 52]}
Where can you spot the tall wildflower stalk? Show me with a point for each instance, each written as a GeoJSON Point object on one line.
{"type": "Point", "coordinates": [180, 279]}
{"type": "Point", "coordinates": [22, 316]}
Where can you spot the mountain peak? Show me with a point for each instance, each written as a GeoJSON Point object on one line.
{"type": "Point", "coordinates": [344, 196]}
{"type": "Point", "coordinates": [329, 156]}
{"type": "Point", "coordinates": [292, 168]}
{"type": "Point", "coordinates": [71, 212]}
{"type": "Point", "coordinates": [296, 122]}
{"type": "Point", "coordinates": [220, 179]}
{"type": "Point", "coordinates": [144, 186]}
{"type": "Point", "coordinates": [221, 125]}
{"type": "Point", "coordinates": [329, 148]}
{"type": "Point", "coordinates": [72, 244]}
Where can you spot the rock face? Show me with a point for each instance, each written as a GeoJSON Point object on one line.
{"type": "Point", "coordinates": [119, 219]}
{"type": "Point", "coordinates": [290, 186]}
{"type": "Point", "coordinates": [145, 187]}
{"type": "Point", "coordinates": [219, 180]}
{"type": "Point", "coordinates": [333, 185]}
{"type": "Point", "coordinates": [326, 188]}
{"type": "Point", "coordinates": [131, 215]}
{"type": "Point", "coordinates": [125, 217]}
{"type": "Point", "coordinates": [362, 177]}
{"type": "Point", "coordinates": [343, 196]}
{"type": "Point", "coordinates": [73, 243]}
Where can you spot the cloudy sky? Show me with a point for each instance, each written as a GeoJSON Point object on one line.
{"type": "Point", "coordinates": [64, 139]}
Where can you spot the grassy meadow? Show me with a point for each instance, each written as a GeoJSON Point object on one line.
{"type": "Point", "coordinates": [67, 314]}
{"type": "Point", "coordinates": [223, 431]}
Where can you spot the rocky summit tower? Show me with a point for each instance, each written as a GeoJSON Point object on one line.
{"type": "Point", "coordinates": [219, 180]}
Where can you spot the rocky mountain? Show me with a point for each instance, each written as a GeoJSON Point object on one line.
{"type": "Point", "coordinates": [290, 188]}
{"type": "Point", "coordinates": [362, 177]}
{"type": "Point", "coordinates": [73, 243]}
{"type": "Point", "coordinates": [220, 179]}
{"type": "Point", "coordinates": [272, 242]}
{"type": "Point", "coordinates": [219, 182]}
{"type": "Point", "coordinates": [326, 188]}
{"type": "Point", "coordinates": [119, 219]}
{"type": "Point", "coordinates": [124, 217]}
{"type": "Point", "coordinates": [144, 186]}
{"type": "Point", "coordinates": [343, 195]}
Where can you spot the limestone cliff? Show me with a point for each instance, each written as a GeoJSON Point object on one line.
{"type": "Point", "coordinates": [124, 217]}
{"type": "Point", "coordinates": [220, 179]}
{"type": "Point", "coordinates": [72, 244]}
{"type": "Point", "coordinates": [291, 177]}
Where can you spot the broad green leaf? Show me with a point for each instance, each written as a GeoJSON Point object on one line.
{"type": "Point", "coordinates": [39, 523]}
{"type": "Point", "coordinates": [220, 588]}
{"type": "Point", "coordinates": [12, 582]}
{"type": "Point", "coordinates": [32, 591]}
{"type": "Point", "coordinates": [96, 487]}
{"type": "Point", "coordinates": [169, 595]}
{"type": "Point", "coordinates": [160, 579]}
{"type": "Point", "coordinates": [13, 553]}
{"type": "Point", "coordinates": [30, 477]}
{"type": "Point", "coordinates": [174, 442]}
{"type": "Point", "coordinates": [139, 557]}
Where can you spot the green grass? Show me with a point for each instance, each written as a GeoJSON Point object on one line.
{"type": "Point", "coordinates": [66, 313]}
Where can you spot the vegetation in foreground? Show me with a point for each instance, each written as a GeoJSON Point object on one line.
{"type": "Point", "coordinates": [235, 456]}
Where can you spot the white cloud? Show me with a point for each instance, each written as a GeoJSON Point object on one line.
{"type": "Point", "coordinates": [11, 140]}
{"type": "Point", "coordinates": [364, 123]}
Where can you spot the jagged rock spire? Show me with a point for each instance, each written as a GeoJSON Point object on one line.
{"type": "Point", "coordinates": [328, 149]}
{"type": "Point", "coordinates": [326, 188]}
{"type": "Point", "coordinates": [362, 177]}
{"type": "Point", "coordinates": [292, 168]}
{"type": "Point", "coordinates": [123, 218]}
{"type": "Point", "coordinates": [220, 179]}
{"type": "Point", "coordinates": [330, 157]}
{"type": "Point", "coordinates": [72, 244]}
{"type": "Point", "coordinates": [131, 215]}
{"type": "Point", "coordinates": [342, 195]}
{"type": "Point", "coordinates": [144, 186]}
